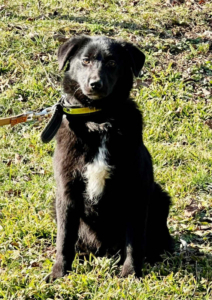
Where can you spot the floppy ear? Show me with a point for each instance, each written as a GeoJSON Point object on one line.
{"type": "Point", "coordinates": [136, 57]}
{"type": "Point", "coordinates": [69, 48]}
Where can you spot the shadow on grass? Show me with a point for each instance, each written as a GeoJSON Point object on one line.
{"type": "Point", "coordinates": [186, 260]}
{"type": "Point", "coordinates": [193, 254]}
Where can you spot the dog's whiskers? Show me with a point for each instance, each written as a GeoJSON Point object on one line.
{"type": "Point", "coordinates": [76, 90]}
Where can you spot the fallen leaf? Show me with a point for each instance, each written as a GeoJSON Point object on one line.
{"type": "Point", "coordinates": [206, 92]}
{"type": "Point", "coordinates": [18, 158]}
{"type": "Point", "coordinates": [9, 162]}
{"type": "Point", "coordinates": [179, 110]}
{"type": "Point", "coordinates": [12, 192]}
{"type": "Point", "coordinates": [15, 244]}
{"type": "Point", "coordinates": [31, 19]}
{"type": "Point", "coordinates": [60, 37]}
{"type": "Point", "coordinates": [207, 34]}
{"type": "Point", "coordinates": [191, 209]}
{"type": "Point", "coordinates": [34, 264]}
{"type": "Point", "coordinates": [183, 245]}
{"type": "Point", "coordinates": [209, 123]}
{"type": "Point", "coordinates": [204, 227]}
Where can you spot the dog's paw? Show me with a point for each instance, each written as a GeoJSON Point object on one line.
{"type": "Point", "coordinates": [129, 269]}
{"type": "Point", "coordinates": [57, 272]}
{"type": "Point", "coordinates": [105, 126]}
{"type": "Point", "coordinates": [98, 127]}
{"type": "Point", "coordinates": [49, 278]}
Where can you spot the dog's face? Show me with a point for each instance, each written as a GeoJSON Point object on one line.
{"type": "Point", "coordinates": [97, 63]}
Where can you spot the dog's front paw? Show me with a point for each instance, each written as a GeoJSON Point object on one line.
{"type": "Point", "coordinates": [57, 272]}
{"type": "Point", "coordinates": [129, 269]}
{"type": "Point", "coordinates": [92, 126]}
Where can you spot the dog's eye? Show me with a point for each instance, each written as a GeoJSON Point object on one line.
{"type": "Point", "coordinates": [86, 61]}
{"type": "Point", "coordinates": [111, 63]}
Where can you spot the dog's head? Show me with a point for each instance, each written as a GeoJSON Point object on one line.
{"type": "Point", "coordinates": [98, 66]}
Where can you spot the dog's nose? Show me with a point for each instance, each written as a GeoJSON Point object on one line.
{"type": "Point", "coordinates": [96, 84]}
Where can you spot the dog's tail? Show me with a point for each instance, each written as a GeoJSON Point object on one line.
{"type": "Point", "coordinates": [159, 239]}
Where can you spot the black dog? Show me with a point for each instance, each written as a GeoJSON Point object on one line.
{"type": "Point", "coordinates": [107, 201]}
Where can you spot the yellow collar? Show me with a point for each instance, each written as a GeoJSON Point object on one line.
{"type": "Point", "coordinates": [80, 111]}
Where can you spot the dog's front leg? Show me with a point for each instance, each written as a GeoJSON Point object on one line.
{"type": "Point", "coordinates": [67, 234]}
{"type": "Point", "coordinates": [135, 243]}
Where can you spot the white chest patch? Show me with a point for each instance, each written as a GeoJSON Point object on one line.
{"type": "Point", "coordinates": [96, 173]}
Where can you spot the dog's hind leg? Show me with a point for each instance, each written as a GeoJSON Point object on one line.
{"type": "Point", "coordinates": [159, 239]}
{"type": "Point", "coordinates": [135, 242]}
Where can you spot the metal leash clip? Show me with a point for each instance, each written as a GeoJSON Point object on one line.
{"type": "Point", "coordinates": [37, 116]}
{"type": "Point", "coordinates": [26, 117]}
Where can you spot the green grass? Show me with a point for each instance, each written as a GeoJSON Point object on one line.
{"type": "Point", "coordinates": [175, 98]}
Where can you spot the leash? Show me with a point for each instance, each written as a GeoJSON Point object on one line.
{"type": "Point", "coordinates": [57, 111]}
{"type": "Point", "coordinates": [26, 117]}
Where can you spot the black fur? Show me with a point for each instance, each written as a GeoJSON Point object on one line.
{"type": "Point", "coordinates": [130, 214]}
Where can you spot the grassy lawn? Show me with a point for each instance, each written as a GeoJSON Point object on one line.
{"type": "Point", "coordinates": [174, 94]}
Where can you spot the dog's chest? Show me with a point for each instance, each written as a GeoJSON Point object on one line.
{"type": "Point", "coordinates": [97, 172]}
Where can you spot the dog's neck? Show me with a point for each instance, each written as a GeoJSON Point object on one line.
{"type": "Point", "coordinates": [70, 101]}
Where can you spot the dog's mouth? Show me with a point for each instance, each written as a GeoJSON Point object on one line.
{"type": "Point", "coordinates": [85, 96]}
{"type": "Point", "coordinates": [95, 96]}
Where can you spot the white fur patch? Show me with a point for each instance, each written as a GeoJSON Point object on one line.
{"type": "Point", "coordinates": [96, 173]}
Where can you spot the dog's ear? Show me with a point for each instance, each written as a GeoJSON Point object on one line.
{"type": "Point", "coordinates": [136, 57]}
{"type": "Point", "coordinates": [69, 48]}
